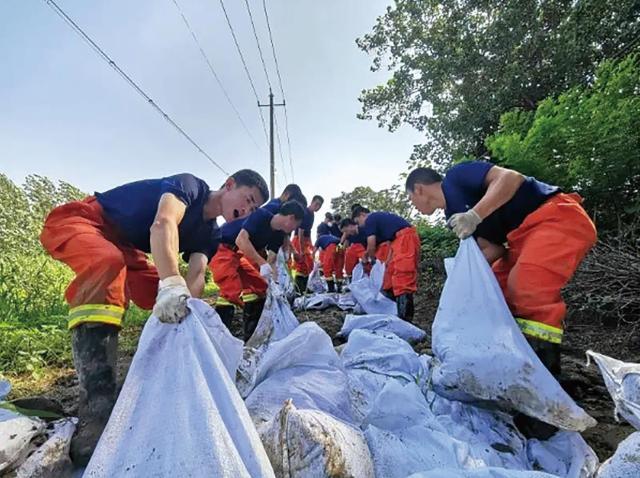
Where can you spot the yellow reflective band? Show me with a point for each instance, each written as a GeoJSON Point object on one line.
{"type": "Point", "coordinates": [222, 301]}
{"type": "Point", "coordinates": [540, 331]}
{"type": "Point", "coordinates": [97, 313]}
{"type": "Point", "coordinates": [249, 297]}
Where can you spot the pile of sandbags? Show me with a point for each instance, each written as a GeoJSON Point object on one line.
{"type": "Point", "coordinates": [383, 323]}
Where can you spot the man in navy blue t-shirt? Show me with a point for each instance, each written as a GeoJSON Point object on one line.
{"type": "Point", "coordinates": [239, 269]}
{"type": "Point", "coordinates": [105, 239]}
{"type": "Point", "coordinates": [331, 260]}
{"type": "Point", "coordinates": [546, 232]}
{"type": "Point", "coordinates": [302, 246]}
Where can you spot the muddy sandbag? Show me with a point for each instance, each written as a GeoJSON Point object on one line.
{"type": "Point", "coordinates": [16, 433]}
{"type": "Point", "coordinates": [384, 323]}
{"type": "Point", "coordinates": [284, 276]}
{"type": "Point", "coordinates": [346, 301]}
{"type": "Point", "coordinates": [366, 290]}
{"type": "Point", "coordinates": [310, 443]}
{"type": "Point", "coordinates": [623, 382]}
{"type": "Point", "coordinates": [315, 301]}
{"type": "Point", "coordinates": [625, 462]}
{"type": "Point", "coordinates": [316, 283]}
{"type": "Point", "coordinates": [51, 459]}
{"type": "Point", "coordinates": [565, 454]}
{"type": "Point", "coordinates": [276, 321]}
{"type": "Point", "coordinates": [483, 357]}
{"type": "Point", "coordinates": [179, 412]}
{"type": "Point", "coordinates": [490, 472]}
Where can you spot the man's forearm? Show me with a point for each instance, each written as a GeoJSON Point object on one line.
{"type": "Point", "coordinates": [164, 247]}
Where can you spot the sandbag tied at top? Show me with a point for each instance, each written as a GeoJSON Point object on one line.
{"type": "Point", "coordinates": [179, 413]}
{"type": "Point", "coordinates": [482, 355]}
{"type": "Point", "coordinates": [366, 290]}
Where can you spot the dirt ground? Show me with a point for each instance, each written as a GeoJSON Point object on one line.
{"type": "Point", "coordinates": [583, 383]}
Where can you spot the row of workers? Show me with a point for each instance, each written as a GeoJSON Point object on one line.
{"type": "Point", "coordinates": [533, 234]}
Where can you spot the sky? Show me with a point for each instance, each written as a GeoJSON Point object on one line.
{"type": "Point", "coordinates": [67, 115]}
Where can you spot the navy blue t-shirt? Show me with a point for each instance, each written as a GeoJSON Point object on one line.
{"type": "Point", "coordinates": [463, 187]}
{"type": "Point", "coordinates": [273, 206]}
{"type": "Point", "coordinates": [132, 208]}
{"type": "Point", "coordinates": [335, 230]}
{"type": "Point", "coordinates": [307, 223]}
{"type": "Point", "coordinates": [323, 241]}
{"type": "Point", "coordinates": [258, 226]}
{"type": "Point", "coordinates": [358, 238]}
{"type": "Point", "coordinates": [323, 229]}
{"type": "Point", "coordinates": [383, 225]}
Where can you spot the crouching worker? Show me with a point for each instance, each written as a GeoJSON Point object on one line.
{"type": "Point", "coordinates": [355, 243]}
{"type": "Point", "coordinates": [332, 260]}
{"type": "Point", "coordinates": [303, 248]}
{"type": "Point", "coordinates": [104, 239]}
{"type": "Point", "coordinates": [547, 234]}
{"type": "Point", "coordinates": [240, 272]}
{"type": "Point", "coordinates": [401, 274]}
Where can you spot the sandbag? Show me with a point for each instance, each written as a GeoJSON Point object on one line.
{"type": "Point", "coordinates": [623, 382]}
{"type": "Point", "coordinates": [625, 463]}
{"type": "Point", "coordinates": [481, 473]}
{"type": "Point", "coordinates": [346, 301]}
{"type": "Point", "coordinates": [310, 443]}
{"type": "Point", "coordinates": [5, 388]}
{"type": "Point", "coordinates": [179, 413]}
{"type": "Point", "coordinates": [51, 459]}
{"type": "Point", "coordinates": [565, 454]}
{"type": "Point", "coordinates": [382, 322]}
{"type": "Point", "coordinates": [16, 433]}
{"type": "Point", "coordinates": [315, 301]}
{"type": "Point", "coordinates": [276, 321]}
{"type": "Point", "coordinates": [366, 290]}
{"type": "Point", "coordinates": [284, 276]}
{"type": "Point", "coordinates": [303, 367]}
{"type": "Point", "coordinates": [316, 283]}
{"type": "Point", "coordinates": [481, 355]}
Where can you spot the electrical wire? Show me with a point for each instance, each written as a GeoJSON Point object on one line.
{"type": "Point", "coordinates": [213, 71]}
{"type": "Point", "coordinates": [255, 35]}
{"type": "Point", "coordinates": [284, 169]}
{"type": "Point", "coordinates": [54, 6]}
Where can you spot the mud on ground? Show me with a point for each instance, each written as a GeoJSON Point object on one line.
{"type": "Point", "coordinates": [583, 383]}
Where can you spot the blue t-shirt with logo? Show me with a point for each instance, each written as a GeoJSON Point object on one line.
{"type": "Point", "coordinates": [132, 208]}
{"type": "Point", "coordinates": [463, 187]}
{"type": "Point", "coordinates": [383, 225]}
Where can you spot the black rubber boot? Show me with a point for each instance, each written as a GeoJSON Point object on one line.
{"type": "Point", "coordinates": [339, 286]}
{"type": "Point", "coordinates": [251, 316]}
{"type": "Point", "coordinates": [548, 353]}
{"type": "Point", "coordinates": [405, 307]}
{"type": "Point", "coordinates": [95, 354]}
{"type": "Point", "coordinates": [331, 286]}
{"type": "Point", "coordinates": [226, 313]}
{"type": "Point", "coordinates": [388, 293]}
{"type": "Point", "coordinates": [301, 284]}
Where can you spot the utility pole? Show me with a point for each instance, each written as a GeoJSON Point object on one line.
{"type": "Point", "coordinates": [272, 175]}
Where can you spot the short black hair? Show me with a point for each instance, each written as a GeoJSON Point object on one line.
{"type": "Point", "coordinates": [355, 205]}
{"type": "Point", "coordinates": [292, 207]}
{"type": "Point", "coordinates": [425, 176]}
{"type": "Point", "coordinates": [328, 215]}
{"type": "Point", "coordinates": [346, 222]}
{"type": "Point", "coordinates": [337, 217]}
{"type": "Point", "coordinates": [320, 199]}
{"type": "Point", "coordinates": [300, 199]}
{"type": "Point", "coordinates": [359, 210]}
{"type": "Point", "coordinates": [249, 178]}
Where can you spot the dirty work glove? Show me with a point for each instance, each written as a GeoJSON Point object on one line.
{"type": "Point", "coordinates": [266, 271]}
{"type": "Point", "coordinates": [171, 301]}
{"type": "Point", "coordinates": [464, 224]}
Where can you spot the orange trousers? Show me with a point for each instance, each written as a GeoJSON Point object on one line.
{"type": "Point", "coordinates": [238, 279]}
{"type": "Point", "coordinates": [352, 255]}
{"type": "Point", "coordinates": [332, 261]}
{"type": "Point", "coordinates": [543, 254]}
{"type": "Point", "coordinates": [304, 266]}
{"type": "Point", "coordinates": [108, 271]}
{"type": "Point", "coordinates": [401, 273]}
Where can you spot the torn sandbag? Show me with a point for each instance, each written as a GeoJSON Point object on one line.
{"type": "Point", "coordinates": [179, 413]}
{"type": "Point", "coordinates": [276, 321]}
{"type": "Point", "coordinates": [384, 323]}
{"type": "Point", "coordinates": [305, 443]}
{"type": "Point", "coordinates": [302, 366]}
{"type": "Point", "coordinates": [16, 433]}
{"type": "Point", "coordinates": [565, 454]}
{"type": "Point", "coordinates": [316, 283]}
{"type": "Point", "coordinates": [483, 357]}
{"type": "Point", "coordinates": [623, 382]}
{"type": "Point", "coordinates": [490, 472]}
{"type": "Point", "coordinates": [625, 462]}
{"type": "Point", "coordinates": [51, 459]}
{"type": "Point", "coordinates": [366, 290]}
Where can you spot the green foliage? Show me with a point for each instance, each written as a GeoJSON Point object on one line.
{"type": "Point", "coordinates": [392, 200]}
{"type": "Point", "coordinates": [457, 65]}
{"type": "Point", "coordinates": [437, 242]}
{"type": "Point", "coordinates": [585, 140]}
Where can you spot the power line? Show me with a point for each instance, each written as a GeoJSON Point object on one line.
{"type": "Point", "coordinates": [255, 35]}
{"type": "Point", "coordinates": [284, 169]}
{"type": "Point", "coordinates": [54, 6]}
{"type": "Point", "coordinates": [244, 64]}
{"type": "Point", "coordinates": [275, 60]}
{"type": "Point", "coordinates": [213, 72]}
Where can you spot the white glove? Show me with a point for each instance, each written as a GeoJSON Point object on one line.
{"type": "Point", "coordinates": [464, 224]}
{"type": "Point", "coordinates": [171, 301]}
{"type": "Point", "coordinates": [266, 271]}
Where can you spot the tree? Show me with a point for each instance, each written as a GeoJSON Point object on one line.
{"type": "Point", "coordinates": [392, 200]}
{"type": "Point", "coordinates": [457, 65]}
{"type": "Point", "coordinates": [585, 140]}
